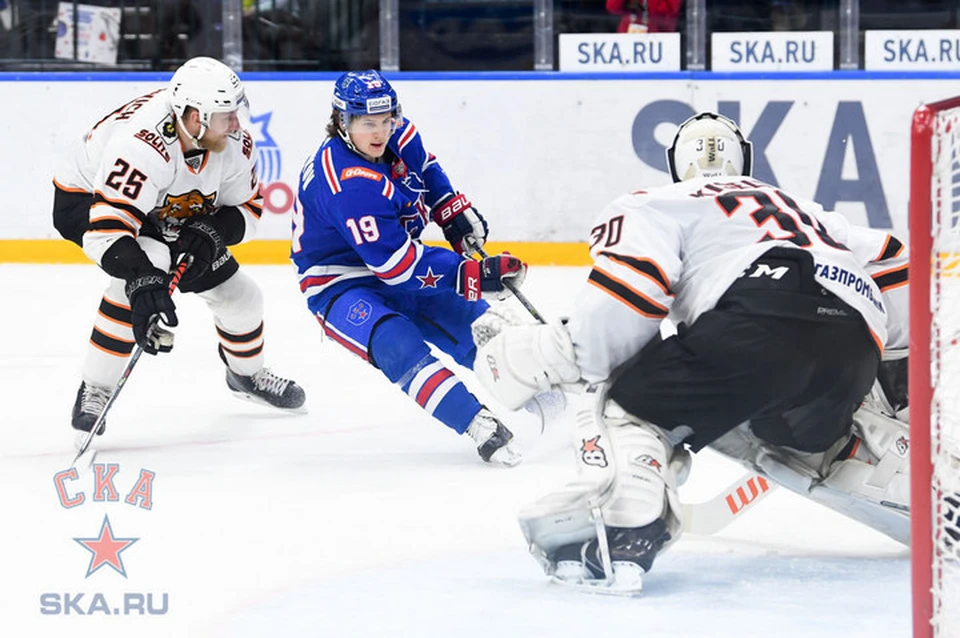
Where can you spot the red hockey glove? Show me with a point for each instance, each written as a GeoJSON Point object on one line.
{"type": "Point", "coordinates": [489, 275]}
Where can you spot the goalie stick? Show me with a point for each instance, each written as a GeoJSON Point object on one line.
{"type": "Point", "coordinates": [709, 517]}
{"type": "Point", "coordinates": [182, 265]}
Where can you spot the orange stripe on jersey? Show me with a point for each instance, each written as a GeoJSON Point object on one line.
{"type": "Point", "coordinates": [119, 218]}
{"type": "Point", "coordinates": [643, 266]}
{"type": "Point", "coordinates": [892, 278]}
{"type": "Point", "coordinates": [891, 248]}
{"type": "Point", "coordinates": [111, 231]}
{"type": "Point", "coordinates": [631, 297]}
{"type": "Point", "coordinates": [68, 189]}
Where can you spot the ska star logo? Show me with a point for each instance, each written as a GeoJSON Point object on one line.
{"type": "Point", "coordinates": [106, 549]}
{"type": "Point", "coordinates": [429, 280]}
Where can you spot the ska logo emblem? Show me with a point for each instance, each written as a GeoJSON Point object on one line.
{"type": "Point", "coordinates": [398, 170]}
{"type": "Point", "coordinates": [592, 453]}
{"type": "Point", "coordinates": [359, 313]}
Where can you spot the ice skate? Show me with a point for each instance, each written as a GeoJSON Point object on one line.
{"type": "Point", "coordinates": [631, 551]}
{"type": "Point", "coordinates": [493, 440]}
{"type": "Point", "coordinates": [266, 388]}
{"type": "Point", "coordinates": [91, 399]}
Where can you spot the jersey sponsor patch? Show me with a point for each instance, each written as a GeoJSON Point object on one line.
{"type": "Point", "coordinates": [154, 141]}
{"type": "Point", "coordinates": [360, 171]}
{"type": "Point", "coordinates": [167, 130]}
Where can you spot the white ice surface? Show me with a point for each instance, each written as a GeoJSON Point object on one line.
{"type": "Point", "coordinates": [362, 518]}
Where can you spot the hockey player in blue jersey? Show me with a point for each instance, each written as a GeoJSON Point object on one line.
{"type": "Point", "coordinates": [364, 199]}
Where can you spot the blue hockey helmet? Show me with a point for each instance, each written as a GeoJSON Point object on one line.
{"type": "Point", "coordinates": [363, 93]}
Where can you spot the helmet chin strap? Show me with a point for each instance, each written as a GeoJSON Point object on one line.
{"type": "Point", "coordinates": [346, 139]}
{"type": "Point", "coordinates": [194, 139]}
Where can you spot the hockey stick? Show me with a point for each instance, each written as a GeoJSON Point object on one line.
{"type": "Point", "coordinates": [709, 517]}
{"type": "Point", "coordinates": [182, 265]}
{"type": "Point", "coordinates": [509, 284]}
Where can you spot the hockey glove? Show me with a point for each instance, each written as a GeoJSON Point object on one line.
{"type": "Point", "coordinates": [462, 225]}
{"type": "Point", "coordinates": [200, 238]}
{"type": "Point", "coordinates": [474, 278]}
{"type": "Point", "coordinates": [150, 303]}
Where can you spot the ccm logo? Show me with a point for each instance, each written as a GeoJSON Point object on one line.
{"type": "Point", "coordinates": [359, 171]}
{"type": "Point", "coordinates": [738, 501]}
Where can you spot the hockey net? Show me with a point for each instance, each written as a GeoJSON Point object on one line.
{"type": "Point", "coordinates": [935, 368]}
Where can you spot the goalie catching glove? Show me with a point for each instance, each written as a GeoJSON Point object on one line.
{"type": "Point", "coordinates": [462, 225]}
{"type": "Point", "coordinates": [490, 275]}
{"type": "Point", "coordinates": [150, 303]}
{"type": "Point", "coordinates": [522, 361]}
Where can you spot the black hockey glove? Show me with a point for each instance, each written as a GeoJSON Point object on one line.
{"type": "Point", "coordinates": [200, 237]}
{"type": "Point", "coordinates": [462, 225]}
{"type": "Point", "coordinates": [474, 278]}
{"type": "Point", "coordinates": [150, 303]}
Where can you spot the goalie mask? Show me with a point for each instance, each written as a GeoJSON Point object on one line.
{"type": "Point", "coordinates": [215, 91]}
{"type": "Point", "coordinates": [709, 145]}
{"type": "Point", "coordinates": [358, 93]}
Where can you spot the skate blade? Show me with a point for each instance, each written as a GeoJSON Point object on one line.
{"type": "Point", "coordinates": [627, 581]}
{"type": "Point", "coordinates": [86, 460]}
{"type": "Point", "coordinates": [255, 399]}
{"type": "Point", "coordinates": [506, 456]}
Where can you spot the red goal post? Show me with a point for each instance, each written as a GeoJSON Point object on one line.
{"type": "Point", "coordinates": [935, 367]}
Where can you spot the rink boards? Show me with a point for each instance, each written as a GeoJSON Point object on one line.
{"type": "Point", "coordinates": [539, 154]}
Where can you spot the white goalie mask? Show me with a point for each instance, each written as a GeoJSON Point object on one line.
{"type": "Point", "coordinates": [214, 90]}
{"type": "Point", "coordinates": [709, 145]}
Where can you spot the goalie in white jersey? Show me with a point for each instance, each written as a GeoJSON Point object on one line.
{"type": "Point", "coordinates": [170, 173]}
{"type": "Point", "coordinates": [783, 312]}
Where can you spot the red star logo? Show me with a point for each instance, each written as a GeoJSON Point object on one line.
{"type": "Point", "coordinates": [592, 445]}
{"type": "Point", "coordinates": [106, 549]}
{"type": "Point", "coordinates": [429, 280]}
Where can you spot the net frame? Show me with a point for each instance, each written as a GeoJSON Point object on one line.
{"type": "Point", "coordinates": [934, 182]}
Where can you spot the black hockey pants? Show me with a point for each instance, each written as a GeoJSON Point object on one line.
{"type": "Point", "coordinates": [71, 218]}
{"type": "Point", "coordinates": [784, 354]}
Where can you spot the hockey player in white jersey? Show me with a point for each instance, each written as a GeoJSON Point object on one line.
{"type": "Point", "coordinates": [783, 313]}
{"type": "Point", "coordinates": [170, 173]}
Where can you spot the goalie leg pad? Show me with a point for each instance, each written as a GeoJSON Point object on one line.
{"type": "Point", "coordinates": [866, 478]}
{"type": "Point", "coordinates": [606, 528]}
{"type": "Point", "coordinates": [568, 515]}
{"type": "Point", "coordinates": [521, 361]}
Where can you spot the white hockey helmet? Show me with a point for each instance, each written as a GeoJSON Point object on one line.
{"type": "Point", "coordinates": [210, 87]}
{"type": "Point", "coordinates": [709, 145]}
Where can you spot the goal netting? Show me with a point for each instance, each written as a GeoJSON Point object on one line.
{"type": "Point", "coordinates": [935, 368]}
